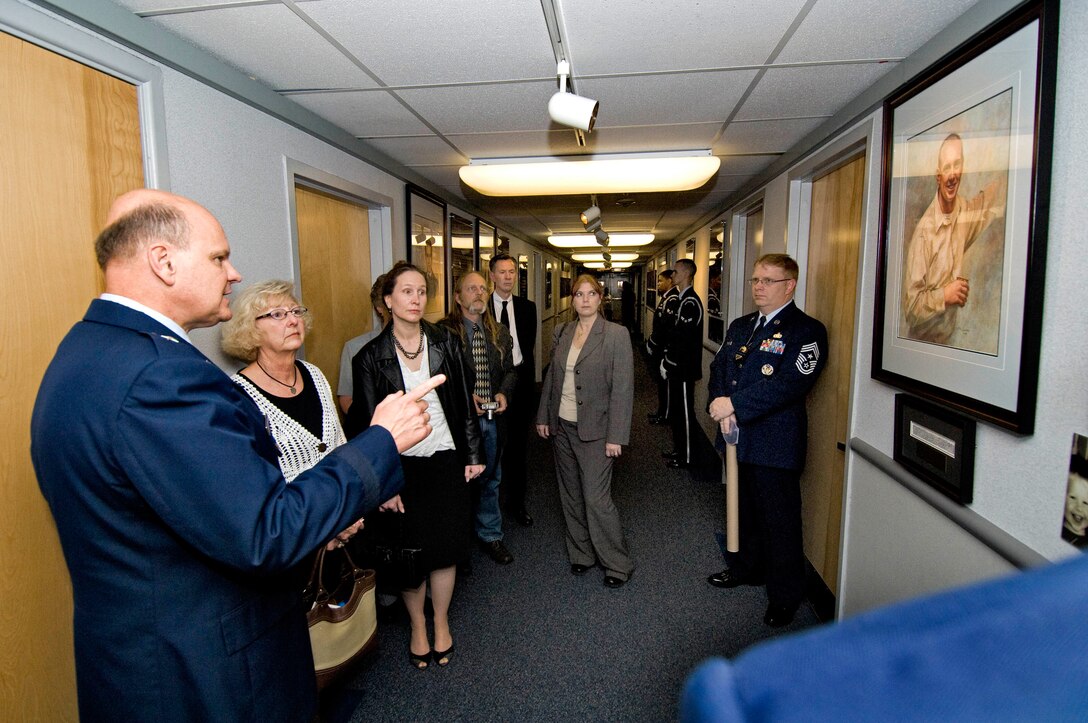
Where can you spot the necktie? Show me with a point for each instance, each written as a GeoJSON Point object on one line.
{"type": "Point", "coordinates": [504, 317]}
{"type": "Point", "coordinates": [759, 325]}
{"type": "Point", "coordinates": [479, 360]}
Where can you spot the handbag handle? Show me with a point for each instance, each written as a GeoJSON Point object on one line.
{"type": "Point", "coordinates": [317, 582]}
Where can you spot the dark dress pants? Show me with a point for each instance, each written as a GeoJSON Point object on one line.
{"type": "Point", "coordinates": [771, 547]}
{"type": "Point", "coordinates": [519, 418]}
{"type": "Point", "coordinates": [682, 418]}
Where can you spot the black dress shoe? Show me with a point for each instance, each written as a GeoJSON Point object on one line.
{"type": "Point", "coordinates": [613, 582]}
{"type": "Point", "coordinates": [497, 551]}
{"type": "Point", "coordinates": [779, 615]}
{"type": "Point", "coordinates": [727, 578]}
{"type": "Point", "coordinates": [577, 569]}
{"type": "Point", "coordinates": [677, 464]}
{"type": "Point", "coordinates": [523, 518]}
{"type": "Point", "coordinates": [670, 454]}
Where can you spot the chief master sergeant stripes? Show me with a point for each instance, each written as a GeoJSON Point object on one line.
{"type": "Point", "coordinates": [682, 364]}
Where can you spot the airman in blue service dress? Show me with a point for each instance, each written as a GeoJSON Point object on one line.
{"type": "Point", "coordinates": [767, 373]}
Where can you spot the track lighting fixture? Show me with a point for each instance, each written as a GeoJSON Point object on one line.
{"type": "Point", "coordinates": [602, 236]}
{"type": "Point", "coordinates": [591, 217]}
{"type": "Point", "coordinates": [569, 109]}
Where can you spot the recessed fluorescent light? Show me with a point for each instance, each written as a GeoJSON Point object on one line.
{"type": "Point", "coordinates": [600, 265]}
{"type": "Point", "coordinates": [588, 174]}
{"type": "Point", "coordinates": [588, 240]}
{"type": "Point", "coordinates": [600, 257]}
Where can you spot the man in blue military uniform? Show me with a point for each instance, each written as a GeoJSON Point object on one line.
{"type": "Point", "coordinates": [770, 360]}
{"type": "Point", "coordinates": [664, 317]}
{"type": "Point", "coordinates": [181, 536]}
{"type": "Point", "coordinates": [682, 365]}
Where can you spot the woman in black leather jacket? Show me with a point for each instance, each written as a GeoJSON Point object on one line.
{"type": "Point", "coordinates": [435, 499]}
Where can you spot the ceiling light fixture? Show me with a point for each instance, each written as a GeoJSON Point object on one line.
{"type": "Point", "coordinates": [591, 219]}
{"type": "Point", "coordinates": [569, 109]}
{"type": "Point", "coordinates": [591, 173]}
{"type": "Point", "coordinates": [604, 264]}
{"type": "Point", "coordinates": [602, 236]}
{"type": "Point", "coordinates": [604, 257]}
{"type": "Point", "coordinates": [588, 240]}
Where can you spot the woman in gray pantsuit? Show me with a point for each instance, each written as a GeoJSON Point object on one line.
{"type": "Point", "coordinates": [585, 407]}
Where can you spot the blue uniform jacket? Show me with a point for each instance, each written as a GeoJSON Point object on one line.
{"type": "Point", "coordinates": [181, 537]}
{"type": "Point", "coordinates": [768, 384]}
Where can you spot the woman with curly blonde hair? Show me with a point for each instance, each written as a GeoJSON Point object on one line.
{"type": "Point", "coordinates": [267, 329]}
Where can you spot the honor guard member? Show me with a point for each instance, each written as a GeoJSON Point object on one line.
{"type": "Point", "coordinates": [664, 318]}
{"type": "Point", "coordinates": [759, 378]}
{"type": "Point", "coordinates": [682, 364]}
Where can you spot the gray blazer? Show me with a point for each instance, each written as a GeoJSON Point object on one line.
{"type": "Point", "coordinates": [604, 389]}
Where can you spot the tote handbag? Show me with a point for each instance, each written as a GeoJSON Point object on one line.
{"type": "Point", "coordinates": [343, 620]}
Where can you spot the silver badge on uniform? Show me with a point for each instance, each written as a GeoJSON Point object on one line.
{"type": "Point", "coordinates": [767, 370]}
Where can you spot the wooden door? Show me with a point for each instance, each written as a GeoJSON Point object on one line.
{"type": "Point", "coordinates": [834, 245]}
{"type": "Point", "coordinates": [69, 143]}
{"type": "Point", "coordinates": [334, 269]}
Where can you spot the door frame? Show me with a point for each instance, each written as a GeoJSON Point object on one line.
{"type": "Point", "coordinates": [863, 137]}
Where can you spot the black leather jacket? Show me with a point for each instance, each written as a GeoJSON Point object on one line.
{"type": "Point", "coordinates": [375, 373]}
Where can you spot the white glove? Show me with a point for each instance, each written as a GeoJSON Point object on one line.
{"type": "Point", "coordinates": [664, 374]}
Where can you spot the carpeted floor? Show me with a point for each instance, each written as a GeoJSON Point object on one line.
{"type": "Point", "coordinates": [535, 643]}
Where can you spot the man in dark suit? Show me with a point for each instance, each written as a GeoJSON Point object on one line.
{"type": "Point", "coordinates": [664, 318]}
{"type": "Point", "coordinates": [181, 536]}
{"type": "Point", "coordinates": [682, 365]}
{"type": "Point", "coordinates": [489, 361]}
{"type": "Point", "coordinates": [770, 360]}
{"type": "Point", "coordinates": [518, 315]}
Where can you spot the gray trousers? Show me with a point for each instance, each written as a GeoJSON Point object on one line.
{"type": "Point", "coordinates": [594, 533]}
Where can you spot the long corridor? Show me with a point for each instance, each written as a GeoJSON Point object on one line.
{"type": "Point", "coordinates": [535, 643]}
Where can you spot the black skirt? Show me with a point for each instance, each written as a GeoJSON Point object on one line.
{"type": "Point", "coordinates": [437, 518]}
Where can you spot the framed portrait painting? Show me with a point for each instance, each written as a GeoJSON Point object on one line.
{"type": "Point", "coordinates": [962, 252]}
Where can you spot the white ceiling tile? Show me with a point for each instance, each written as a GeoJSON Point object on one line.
{"type": "Point", "coordinates": [269, 43]}
{"type": "Point", "coordinates": [423, 150]}
{"type": "Point", "coordinates": [412, 43]}
{"type": "Point", "coordinates": [517, 144]}
{"type": "Point", "coordinates": [862, 29]}
{"type": "Point", "coordinates": [676, 137]}
{"type": "Point", "coordinates": [144, 6]}
{"type": "Point", "coordinates": [484, 108]}
{"type": "Point", "coordinates": [660, 99]}
{"type": "Point", "coordinates": [363, 113]}
{"type": "Point", "coordinates": [642, 35]}
{"type": "Point", "coordinates": [744, 165]}
{"type": "Point", "coordinates": [765, 136]}
{"type": "Point", "coordinates": [809, 91]}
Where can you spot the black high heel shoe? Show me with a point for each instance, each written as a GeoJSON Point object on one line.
{"type": "Point", "coordinates": [443, 655]}
{"type": "Point", "coordinates": [419, 662]}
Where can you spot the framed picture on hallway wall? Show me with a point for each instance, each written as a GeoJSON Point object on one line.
{"type": "Point", "coordinates": [962, 254]}
{"type": "Point", "coordinates": [428, 247]}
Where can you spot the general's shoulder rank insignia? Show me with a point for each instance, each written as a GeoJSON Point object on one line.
{"type": "Point", "coordinates": [806, 360]}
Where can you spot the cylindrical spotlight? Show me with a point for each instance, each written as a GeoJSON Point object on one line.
{"type": "Point", "coordinates": [573, 110]}
{"type": "Point", "coordinates": [590, 215]}
{"type": "Point", "coordinates": [602, 236]}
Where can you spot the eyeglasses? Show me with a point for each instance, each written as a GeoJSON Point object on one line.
{"type": "Point", "coordinates": [281, 314]}
{"type": "Point", "coordinates": [766, 282]}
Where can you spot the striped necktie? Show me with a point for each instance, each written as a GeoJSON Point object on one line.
{"type": "Point", "coordinates": [479, 360]}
